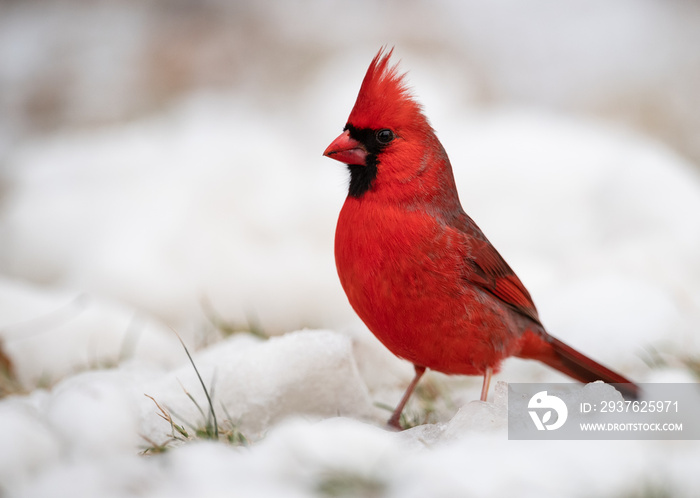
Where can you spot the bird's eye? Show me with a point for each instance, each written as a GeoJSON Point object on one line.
{"type": "Point", "coordinates": [385, 136]}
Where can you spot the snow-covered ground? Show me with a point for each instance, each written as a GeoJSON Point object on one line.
{"type": "Point", "coordinates": [216, 214]}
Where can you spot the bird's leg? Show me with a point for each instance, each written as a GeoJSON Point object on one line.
{"type": "Point", "coordinates": [394, 420]}
{"type": "Point", "coordinates": [487, 381]}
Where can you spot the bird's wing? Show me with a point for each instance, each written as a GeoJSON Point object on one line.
{"type": "Point", "coordinates": [487, 269]}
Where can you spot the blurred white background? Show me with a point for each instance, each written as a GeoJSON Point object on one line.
{"type": "Point", "coordinates": [74, 65]}
{"type": "Point", "coordinates": [163, 153]}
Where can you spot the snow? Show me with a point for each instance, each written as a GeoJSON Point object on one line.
{"type": "Point", "coordinates": [53, 333]}
{"type": "Point", "coordinates": [219, 208]}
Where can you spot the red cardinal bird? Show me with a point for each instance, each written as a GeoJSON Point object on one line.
{"type": "Point", "coordinates": [417, 269]}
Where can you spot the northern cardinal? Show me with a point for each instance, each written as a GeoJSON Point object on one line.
{"type": "Point", "coordinates": [416, 269]}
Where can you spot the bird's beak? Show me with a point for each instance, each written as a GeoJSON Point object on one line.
{"type": "Point", "coordinates": [347, 150]}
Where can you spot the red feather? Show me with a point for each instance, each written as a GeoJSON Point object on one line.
{"type": "Point", "coordinates": [417, 270]}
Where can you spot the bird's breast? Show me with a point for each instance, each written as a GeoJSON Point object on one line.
{"type": "Point", "coordinates": [402, 271]}
{"type": "Point", "coordinates": [386, 251]}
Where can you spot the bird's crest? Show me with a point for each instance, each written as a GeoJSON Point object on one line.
{"type": "Point", "coordinates": [384, 100]}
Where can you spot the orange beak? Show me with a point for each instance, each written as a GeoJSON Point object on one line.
{"type": "Point", "coordinates": [347, 150]}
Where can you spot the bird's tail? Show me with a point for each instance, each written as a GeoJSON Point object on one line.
{"type": "Point", "coordinates": [562, 357]}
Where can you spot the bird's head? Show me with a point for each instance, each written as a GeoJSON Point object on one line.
{"type": "Point", "coordinates": [385, 128]}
